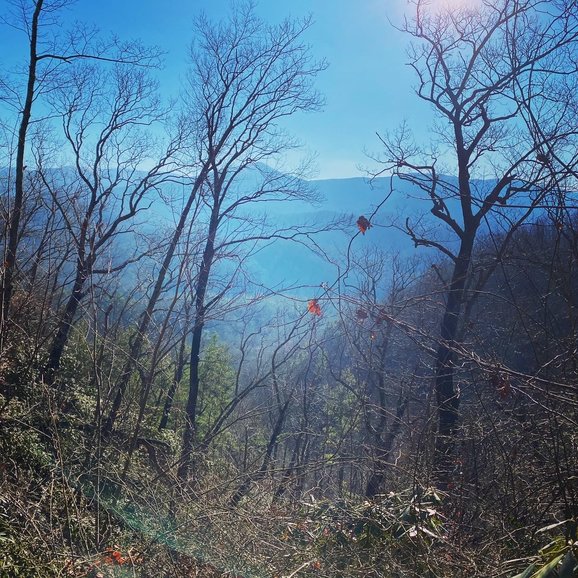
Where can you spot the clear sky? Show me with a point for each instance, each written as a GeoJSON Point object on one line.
{"type": "Point", "coordinates": [367, 86]}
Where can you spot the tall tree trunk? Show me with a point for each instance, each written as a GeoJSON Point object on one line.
{"type": "Point", "coordinates": [194, 388]}
{"type": "Point", "coordinates": [64, 326]}
{"type": "Point", "coordinates": [447, 394]}
{"type": "Point", "coordinates": [195, 357]}
{"type": "Point", "coordinates": [379, 473]}
{"type": "Point", "coordinates": [84, 263]}
{"type": "Point", "coordinates": [16, 213]}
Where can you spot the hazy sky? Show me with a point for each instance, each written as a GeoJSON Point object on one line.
{"type": "Point", "coordinates": [367, 86]}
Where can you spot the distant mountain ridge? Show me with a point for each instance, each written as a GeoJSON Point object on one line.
{"type": "Point", "coordinates": [346, 200]}
{"type": "Point", "coordinates": [284, 263]}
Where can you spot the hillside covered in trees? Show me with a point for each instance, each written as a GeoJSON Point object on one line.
{"type": "Point", "coordinates": [212, 364]}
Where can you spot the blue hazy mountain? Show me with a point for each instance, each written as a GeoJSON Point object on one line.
{"type": "Point", "coordinates": [315, 259]}
{"type": "Point", "coordinates": [387, 202]}
{"type": "Point", "coordinates": [342, 201]}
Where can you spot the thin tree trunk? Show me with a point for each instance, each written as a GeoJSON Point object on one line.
{"type": "Point", "coordinates": [379, 473]}
{"type": "Point", "coordinates": [282, 487]}
{"type": "Point", "coordinates": [178, 376]}
{"type": "Point", "coordinates": [16, 213]}
{"type": "Point", "coordinates": [195, 357]}
{"type": "Point", "coordinates": [146, 317]}
{"type": "Point", "coordinates": [244, 488]}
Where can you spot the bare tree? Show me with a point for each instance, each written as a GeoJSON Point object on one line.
{"type": "Point", "coordinates": [38, 20]}
{"type": "Point", "coordinates": [101, 198]}
{"type": "Point", "coordinates": [283, 390]}
{"type": "Point", "coordinates": [471, 65]}
{"type": "Point", "coordinates": [246, 78]}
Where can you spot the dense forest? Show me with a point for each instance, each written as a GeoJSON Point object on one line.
{"type": "Point", "coordinates": [173, 402]}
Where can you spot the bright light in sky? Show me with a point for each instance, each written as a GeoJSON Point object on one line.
{"type": "Point", "coordinates": [367, 86]}
{"type": "Point", "coordinates": [456, 4]}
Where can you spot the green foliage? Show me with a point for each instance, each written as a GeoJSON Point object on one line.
{"type": "Point", "coordinates": [217, 378]}
{"type": "Point", "coordinates": [19, 371]}
{"type": "Point", "coordinates": [558, 559]}
{"type": "Point", "coordinates": [338, 403]}
{"type": "Point", "coordinates": [394, 534]}
{"type": "Point", "coordinates": [25, 446]}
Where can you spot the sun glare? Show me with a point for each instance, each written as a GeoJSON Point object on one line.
{"type": "Point", "coordinates": [456, 4]}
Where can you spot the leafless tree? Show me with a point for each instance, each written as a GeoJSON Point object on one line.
{"type": "Point", "coordinates": [105, 193]}
{"type": "Point", "coordinates": [471, 65]}
{"type": "Point", "coordinates": [48, 53]}
{"type": "Point", "coordinates": [246, 78]}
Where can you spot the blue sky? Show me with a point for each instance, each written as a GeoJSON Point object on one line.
{"type": "Point", "coordinates": [367, 86]}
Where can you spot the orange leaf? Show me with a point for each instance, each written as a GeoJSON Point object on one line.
{"type": "Point", "coordinates": [114, 557]}
{"type": "Point", "coordinates": [313, 307]}
{"type": "Point", "coordinates": [363, 224]}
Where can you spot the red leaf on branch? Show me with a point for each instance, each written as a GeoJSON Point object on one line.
{"type": "Point", "coordinates": [313, 307]}
{"type": "Point", "coordinates": [363, 224]}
